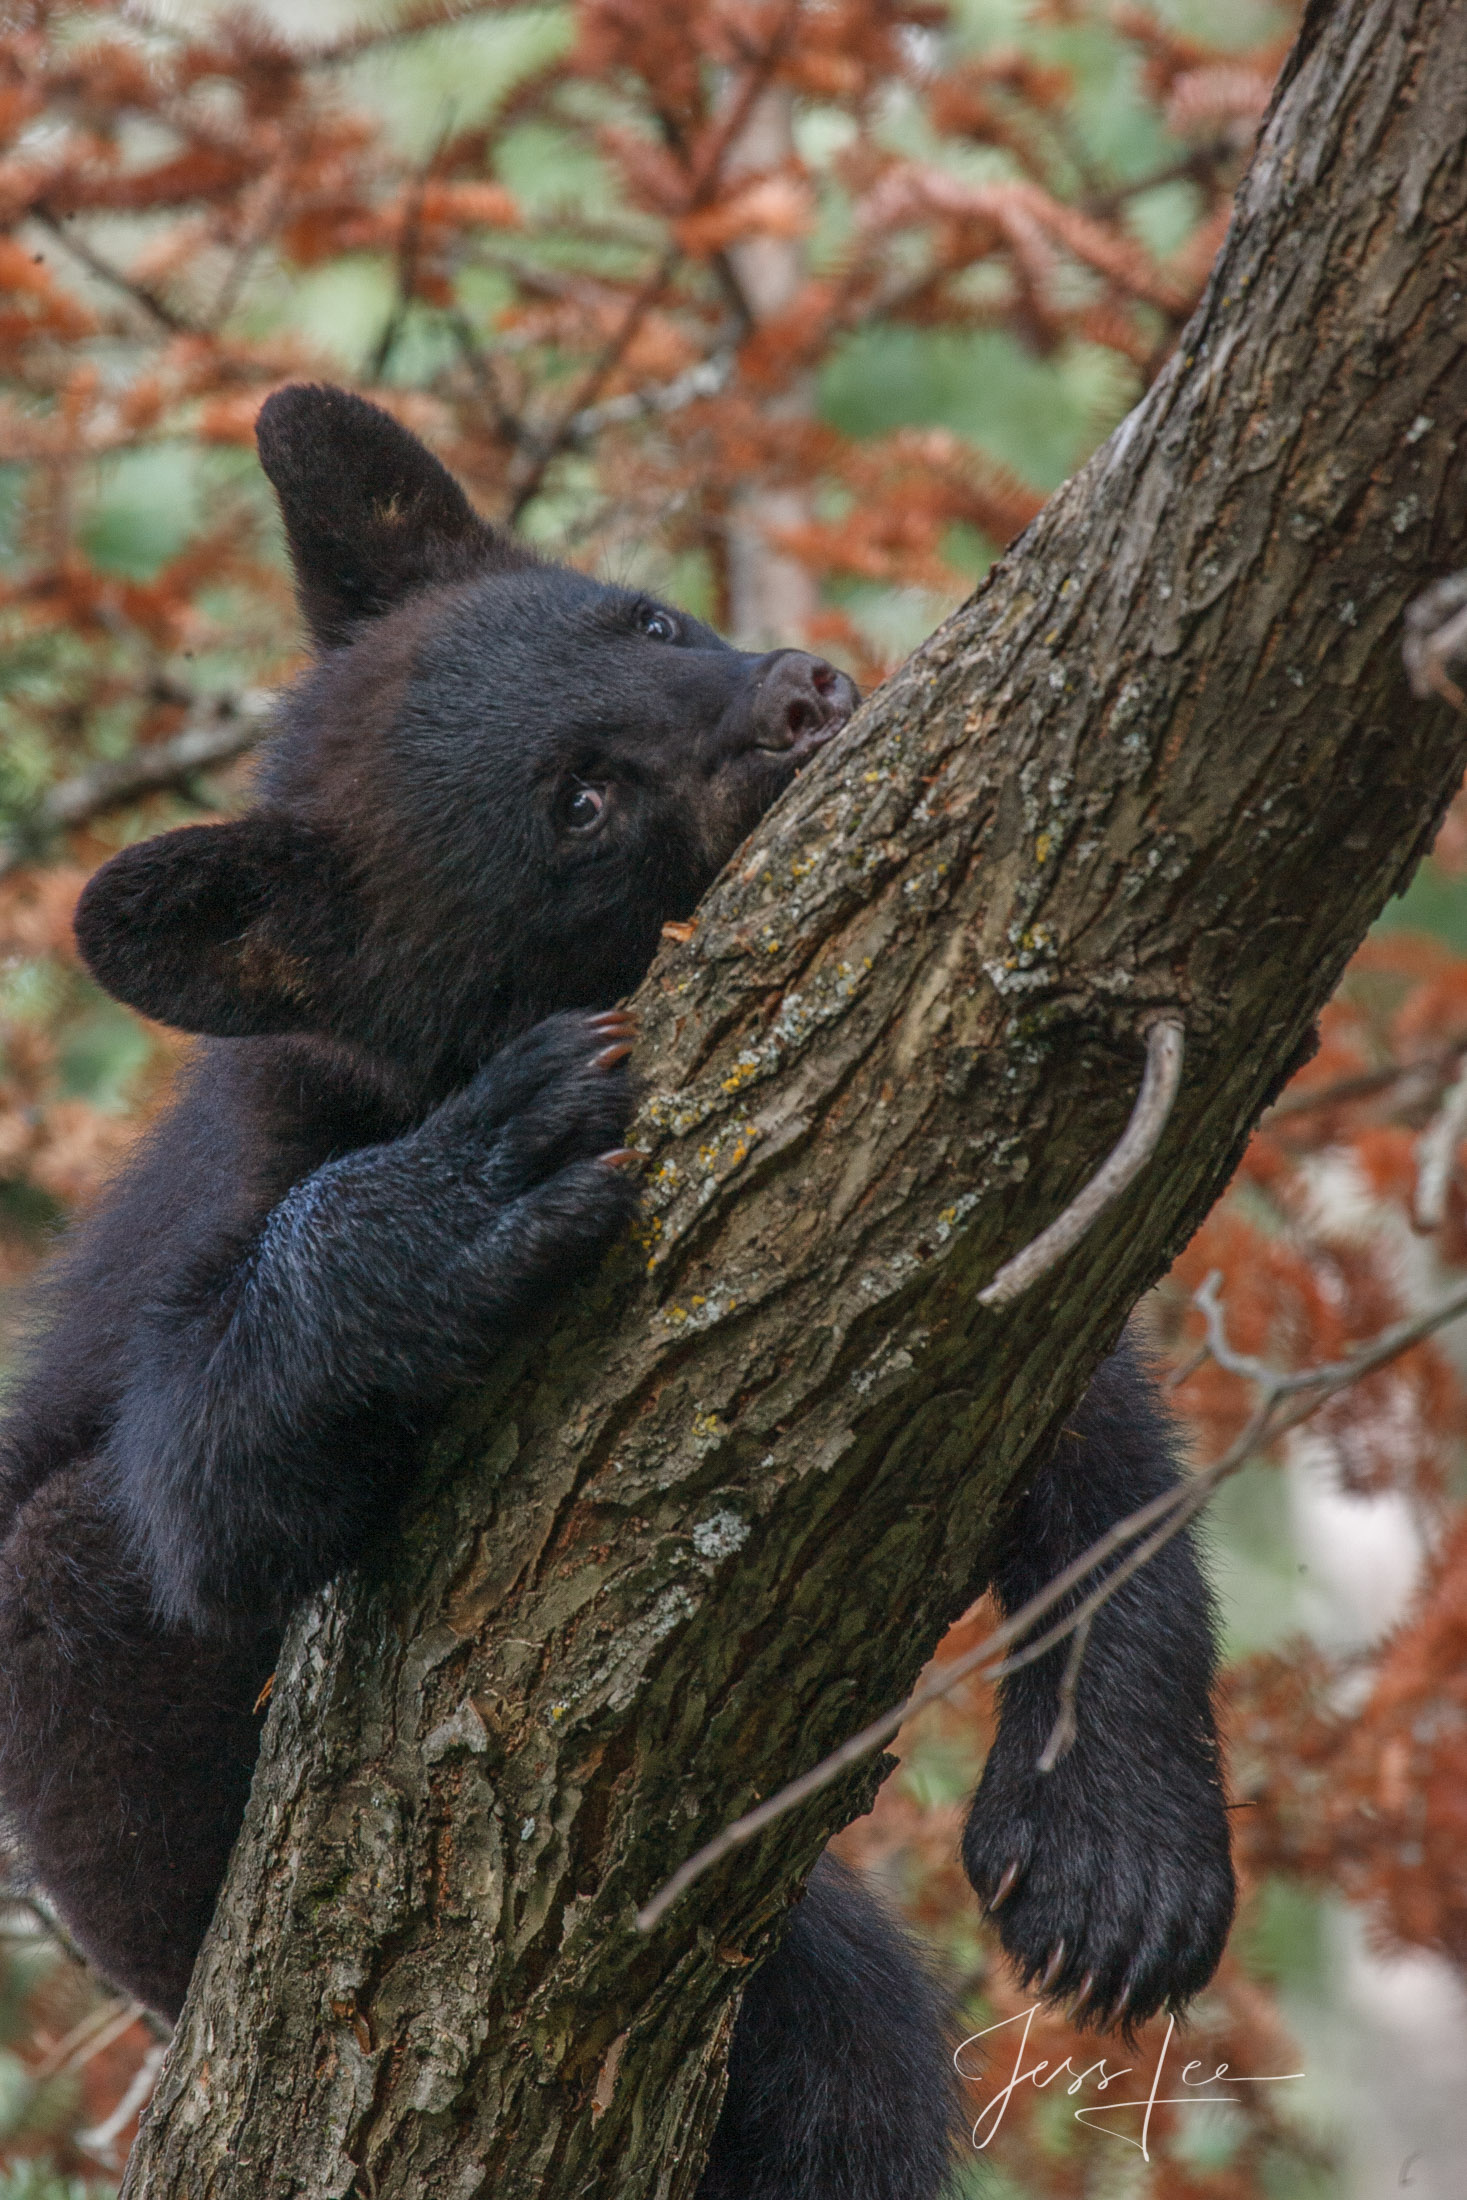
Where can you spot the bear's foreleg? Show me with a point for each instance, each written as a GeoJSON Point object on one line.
{"type": "Point", "coordinates": [276, 1386]}
{"type": "Point", "coordinates": [1112, 1872]}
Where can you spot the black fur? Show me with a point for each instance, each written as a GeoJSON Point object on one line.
{"type": "Point", "coordinates": [396, 1143]}
{"type": "Point", "coordinates": [839, 2079]}
{"type": "Point", "coordinates": [1125, 1881]}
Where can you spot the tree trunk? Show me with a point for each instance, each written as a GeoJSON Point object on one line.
{"type": "Point", "coordinates": [721, 1512]}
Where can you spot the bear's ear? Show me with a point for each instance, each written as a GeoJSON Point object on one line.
{"type": "Point", "coordinates": [216, 928]}
{"type": "Point", "coordinates": [370, 515]}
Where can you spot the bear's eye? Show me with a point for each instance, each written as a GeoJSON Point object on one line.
{"type": "Point", "coordinates": [660, 625]}
{"type": "Point", "coordinates": [581, 807]}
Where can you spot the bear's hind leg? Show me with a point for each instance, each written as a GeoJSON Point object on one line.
{"type": "Point", "coordinates": [125, 1750]}
{"type": "Point", "coordinates": [840, 2078]}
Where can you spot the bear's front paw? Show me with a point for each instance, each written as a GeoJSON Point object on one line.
{"type": "Point", "coordinates": [558, 1095]}
{"type": "Point", "coordinates": [1111, 1883]}
{"type": "Point", "coordinates": [552, 1063]}
{"type": "Point", "coordinates": [561, 1181]}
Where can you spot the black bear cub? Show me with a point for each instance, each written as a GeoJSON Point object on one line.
{"type": "Point", "coordinates": [401, 1137]}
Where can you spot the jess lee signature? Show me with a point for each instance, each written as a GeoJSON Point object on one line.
{"type": "Point", "coordinates": [1043, 2074]}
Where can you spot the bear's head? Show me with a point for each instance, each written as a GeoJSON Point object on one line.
{"type": "Point", "coordinates": [497, 782]}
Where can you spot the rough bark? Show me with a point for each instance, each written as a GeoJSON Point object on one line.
{"type": "Point", "coordinates": [719, 1514]}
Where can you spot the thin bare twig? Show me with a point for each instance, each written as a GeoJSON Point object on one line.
{"type": "Point", "coordinates": [1431, 1071]}
{"type": "Point", "coordinates": [761, 66]}
{"type": "Point", "coordinates": [157, 309]}
{"type": "Point", "coordinates": [703, 379]}
{"type": "Point", "coordinates": [1137, 1143]}
{"type": "Point", "coordinates": [269, 194]}
{"type": "Point", "coordinates": [1274, 1382]}
{"type": "Point", "coordinates": [1198, 166]}
{"type": "Point", "coordinates": [223, 730]}
{"type": "Point", "coordinates": [100, 2141]}
{"type": "Point", "coordinates": [1062, 1733]}
{"type": "Point", "coordinates": [420, 23]}
{"type": "Point", "coordinates": [480, 365]}
{"type": "Point", "coordinates": [579, 418]}
{"type": "Point", "coordinates": [20, 1898]}
{"type": "Point", "coordinates": [1286, 1399]}
{"type": "Point", "coordinates": [86, 2041]}
{"type": "Point", "coordinates": [595, 380]}
{"type": "Point", "coordinates": [409, 248]}
{"type": "Point", "coordinates": [96, 2021]}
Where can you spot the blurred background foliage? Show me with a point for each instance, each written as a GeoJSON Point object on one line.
{"type": "Point", "coordinates": [794, 311]}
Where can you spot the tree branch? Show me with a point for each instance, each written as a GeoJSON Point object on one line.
{"type": "Point", "coordinates": [594, 380]}
{"type": "Point", "coordinates": [222, 729]}
{"type": "Point", "coordinates": [1137, 1143]}
{"type": "Point", "coordinates": [157, 309]}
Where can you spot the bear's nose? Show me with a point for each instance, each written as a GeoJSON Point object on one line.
{"type": "Point", "coordinates": [800, 702]}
